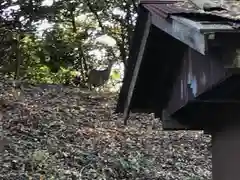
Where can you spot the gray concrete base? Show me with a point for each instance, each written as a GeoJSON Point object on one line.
{"type": "Point", "coordinates": [226, 153]}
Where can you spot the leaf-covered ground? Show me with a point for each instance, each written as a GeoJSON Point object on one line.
{"type": "Point", "coordinates": [54, 132]}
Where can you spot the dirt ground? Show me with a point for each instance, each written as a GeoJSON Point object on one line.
{"type": "Point", "coordinates": [54, 132]}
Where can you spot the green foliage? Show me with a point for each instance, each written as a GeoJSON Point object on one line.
{"type": "Point", "coordinates": [69, 43]}
{"type": "Point", "coordinates": [115, 75]}
{"type": "Point", "coordinates": [43, 74]}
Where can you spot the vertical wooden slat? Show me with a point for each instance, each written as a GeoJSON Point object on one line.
{"type": "Point", "coordinates": [137, 67]}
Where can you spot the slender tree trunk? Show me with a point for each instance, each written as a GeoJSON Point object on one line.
{"type": "Point", "coordinates": [82, 58]}
{"type": "Point", "coordinates": [73, 21]}
{"type": "Point", "coordinates": [18, 58]}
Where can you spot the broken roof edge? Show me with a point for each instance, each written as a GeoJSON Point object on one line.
{"type": "Point", "coordinates": [229, 11]}
{"type": "Point", "coordinates": [193, 33]}
{"type": "Point", "coordinates": [185, 33]}
{"type": "Point", "coordinates": [205, 26]}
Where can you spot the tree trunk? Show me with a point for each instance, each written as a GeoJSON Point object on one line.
{"type": "Point", "coordinates": [73, 21]}
{"type": "Point", "coordinates": [82, 58]}
{"type": "Point", "coordinates": [18, 58]}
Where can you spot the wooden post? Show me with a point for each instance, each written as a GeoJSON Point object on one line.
{"type": "Point", "coordinates": [137, 66]}
{"type": "Point", "coordinates": [226, 152]}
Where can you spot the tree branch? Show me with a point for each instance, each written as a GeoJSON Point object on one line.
{"type": "Point", "coordinates": [135, 6]}
{"type": "Point", "coordinates": [99, 22]}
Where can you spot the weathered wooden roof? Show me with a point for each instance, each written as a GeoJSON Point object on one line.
{"type": "Point", "coordinates": [229, 10]}
{"type": "Point", "coordinates": [184, 18]}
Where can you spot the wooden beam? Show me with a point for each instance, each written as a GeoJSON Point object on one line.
{"type": "Point", "coordinates": [131, 60]}
{"type": "Point", "coordinates": [136, 68]}
{"type": "Point", "coordinates": [186, 33]}
{"type": "Point", "coordinates": [206, 26]}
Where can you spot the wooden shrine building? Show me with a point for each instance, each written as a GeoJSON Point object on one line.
{"type": "Point", "coordinates": [184, 66]}
{"type": "Point", "coordinates": [180, 52]}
